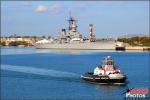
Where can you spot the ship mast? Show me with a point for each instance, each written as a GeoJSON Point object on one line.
{"type": "Point", "coordinates": [91, 35]}
{"type": "Point", "coordinates": [91, 32]}
{"type": "Point", "coordinates": [72, 23]}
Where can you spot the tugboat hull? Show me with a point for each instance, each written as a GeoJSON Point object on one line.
{"type": "Point", "coordinates": [102, 79]}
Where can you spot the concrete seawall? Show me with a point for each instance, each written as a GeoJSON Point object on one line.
{"type": "Point", "coordinates": [138, 48]}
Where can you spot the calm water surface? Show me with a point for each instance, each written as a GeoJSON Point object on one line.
{"type": "Point", "coordinates": [27, 73]}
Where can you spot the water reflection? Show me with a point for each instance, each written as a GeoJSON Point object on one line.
{"type": "Point", "coordinates": [71, 51]}
{"type": "Point", "coordinates": [31, 50]}
{"type": "Point", "coordinates": [16, 50]}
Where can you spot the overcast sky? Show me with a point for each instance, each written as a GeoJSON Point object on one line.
{"type": "Point", "coordinates": [109, 18]}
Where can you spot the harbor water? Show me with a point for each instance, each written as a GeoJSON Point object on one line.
{"type": "Point", "coordinates": [29, 73]}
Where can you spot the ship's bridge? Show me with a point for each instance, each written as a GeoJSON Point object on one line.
{"type": "Point", "coordinates": [108, 61]}
{"type": "Point", "coordinates": [73, 32]}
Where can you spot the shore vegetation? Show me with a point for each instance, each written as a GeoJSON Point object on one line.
{"type": "Point", "coordinates": [136, 41]}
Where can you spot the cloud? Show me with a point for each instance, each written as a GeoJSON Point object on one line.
{"type": "Point", "coordinates": [55, 8]}
{"type": "Point", "coordinates": [41, 8]}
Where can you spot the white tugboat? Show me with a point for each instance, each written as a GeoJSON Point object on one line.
{"type": "Point", "coordinates": [106, 73]}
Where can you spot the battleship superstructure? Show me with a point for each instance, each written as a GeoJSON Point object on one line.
{"type": "Point", "coordinates": [72, 34]}
{"type": "Point", "coordinates": [72, 39]}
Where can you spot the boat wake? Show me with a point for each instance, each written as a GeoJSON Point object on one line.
{"type": "Point", "coordinates": [47, 73]}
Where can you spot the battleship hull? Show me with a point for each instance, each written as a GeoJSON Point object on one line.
{"type": "Point", "coordinates": [78, 46]}
{"type": "Point", "coordinates": [102, 80]}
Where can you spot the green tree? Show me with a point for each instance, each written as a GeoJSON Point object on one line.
{"type": "Point", "coordinates": [16, 43]}
{"type": "Point", "coordinates": [2, 43]}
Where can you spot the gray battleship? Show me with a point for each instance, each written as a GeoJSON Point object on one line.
{"type": "Point", "coordinates": [71, 39]}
